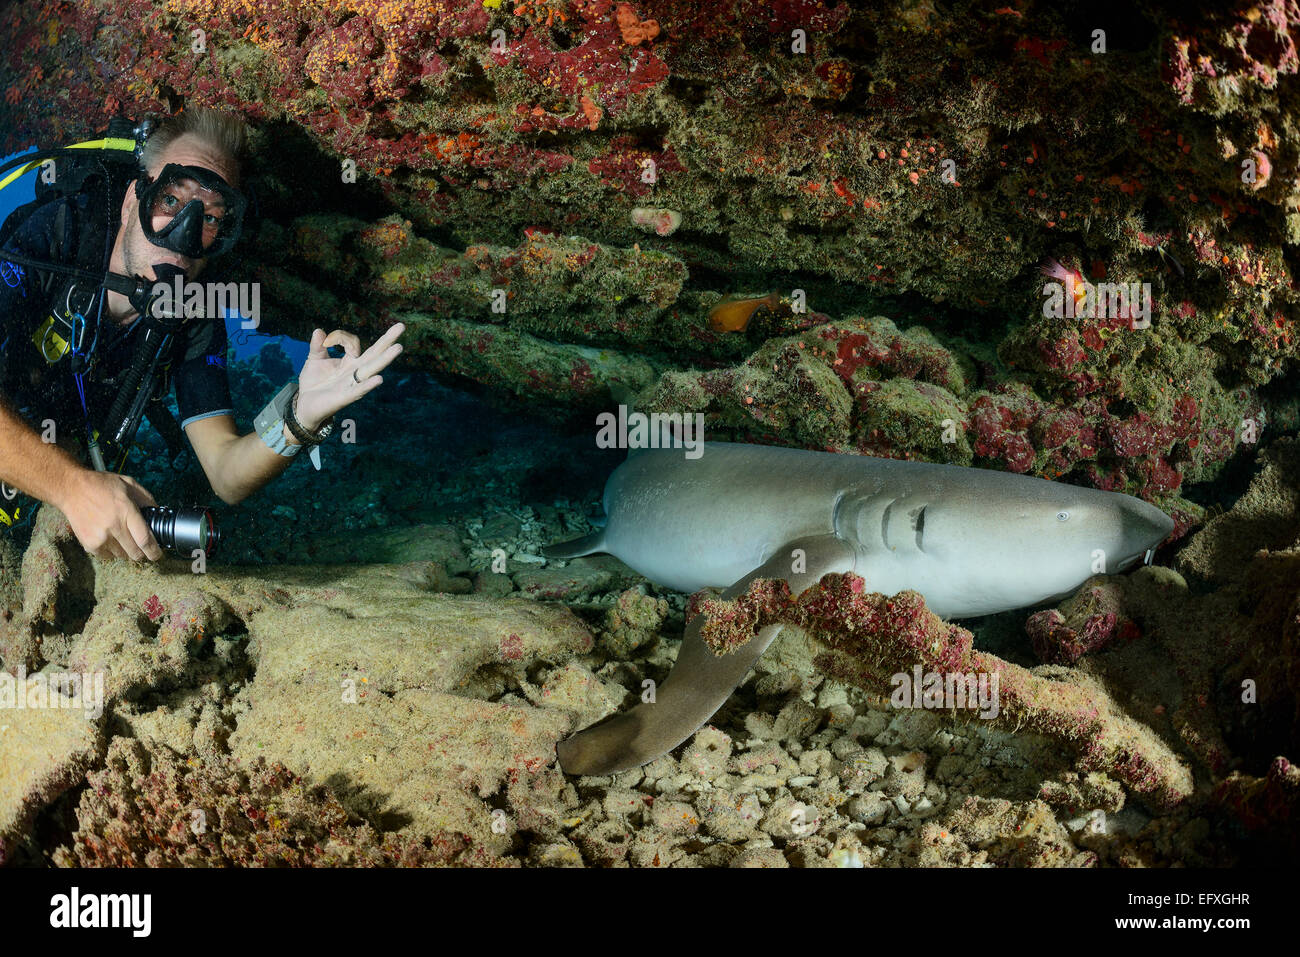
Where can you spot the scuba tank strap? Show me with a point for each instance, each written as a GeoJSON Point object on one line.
{"type": "Point", "coordinates": [72, 324]}
{"type": "Point", "coordinates": [14, 221]}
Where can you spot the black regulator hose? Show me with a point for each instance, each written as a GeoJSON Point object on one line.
{"type": "Point", "coordinates": [125, 412]}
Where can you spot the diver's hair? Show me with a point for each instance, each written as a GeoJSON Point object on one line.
{"type": "Point", "coordinates": [218, 128]}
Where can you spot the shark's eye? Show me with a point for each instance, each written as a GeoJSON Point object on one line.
{"type": "Point", "coordinates": [1062, 516]}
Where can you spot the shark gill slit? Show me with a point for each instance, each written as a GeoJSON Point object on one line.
{"type": "Point", "coordinates": [919, 523]}
{"type": "Point", "coordinates": [884, 523]}
{"type": "Point", "coordinates": [835, 513]}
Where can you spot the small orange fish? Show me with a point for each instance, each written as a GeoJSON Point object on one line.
{"type": "Point", "coordinates": [733, 313]}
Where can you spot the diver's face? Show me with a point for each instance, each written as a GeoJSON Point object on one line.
{"type": "Point", "coordinates": [134, 254]}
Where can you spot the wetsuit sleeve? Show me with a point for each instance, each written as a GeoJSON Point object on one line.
{"type": "Point", "coordinates": [202, 385]}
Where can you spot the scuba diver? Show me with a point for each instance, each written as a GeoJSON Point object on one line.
{"type": "Point", "coordinates": [88, 342]}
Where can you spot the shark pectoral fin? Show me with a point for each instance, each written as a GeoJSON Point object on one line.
{"type": "Point", "coordinates": [700, 682]}
{"type": "Point", "coordinates": [576, 548]}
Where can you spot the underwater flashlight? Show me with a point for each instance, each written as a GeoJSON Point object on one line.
{"type": "Point", "coordinates": [182, 530]}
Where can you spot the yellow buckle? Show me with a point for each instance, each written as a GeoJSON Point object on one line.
{"type": "Point", "coordinates": [49, 343]}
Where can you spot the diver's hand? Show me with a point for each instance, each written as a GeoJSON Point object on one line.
{"type": "Point", "coordinates": [104, 511]}
{"type": "Point", "coordinates": [327, 385]}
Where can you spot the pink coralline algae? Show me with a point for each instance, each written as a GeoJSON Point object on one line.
{"type": "Point", "coordinates": [1056, 641]}
{"type": "Point", "coordinates": [865, 638]}
{"type": "Point", "coordinates": [632, 168]}
{"type": "Point", "coordinates": [151, 809]}
{"type": "Point", "coordinates": [813, 16]}
{"type": "Point", "coordinates": [341, 62]}
{"type": "Point", "coordinates": [892, 354]}
{"type": "Point", "coordinates": [153, 608]}
{"type": "Point", "coordinates": [1026, 434]}
{"type": "Point", "coordinates": [1253, 44]}
{"type": "Point", "coordinates": [601, 66]}
{"type": "Point", "coordinates": [1001, 422]}
{"type": "Point", "coordinates": [862, 351]}
{"type": "Point", "coordinates": [512, 647]}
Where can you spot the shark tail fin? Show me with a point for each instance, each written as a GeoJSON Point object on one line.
{"type": "Point", "coordinates": [587, 545]}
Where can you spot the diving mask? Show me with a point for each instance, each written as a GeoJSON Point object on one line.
{"type": "Point", "coordinates": [205, 214]}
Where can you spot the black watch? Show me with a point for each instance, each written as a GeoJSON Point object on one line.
{"type": "Point", "coordinates": [301, 434]}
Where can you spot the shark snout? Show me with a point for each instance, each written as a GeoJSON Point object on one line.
{"type": "Point", "coordinates": [1143, 528]}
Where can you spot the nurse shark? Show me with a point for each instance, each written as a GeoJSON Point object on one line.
{"type": "Point", "coordinates": [971, 541]}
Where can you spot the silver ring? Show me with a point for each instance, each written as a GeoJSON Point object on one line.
{"type": "Point", "coordinates": [354, 377]}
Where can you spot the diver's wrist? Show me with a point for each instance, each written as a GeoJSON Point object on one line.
{"type": "Point", "coordinates": [311, 425]}
{"type": "Point", "coordinates": [71, 488]}
{"type": "Point", "coordinates": [307, 435]}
